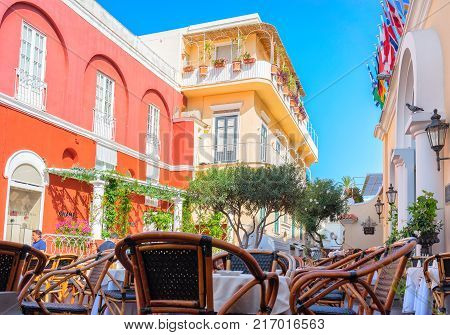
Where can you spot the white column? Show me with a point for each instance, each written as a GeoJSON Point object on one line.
{"type": "Point", "coordinates": [428, 178]}
{"type": "Point", "coordinates": [97, 208]}
{"type": "Point", "coordinates": [177, 212]}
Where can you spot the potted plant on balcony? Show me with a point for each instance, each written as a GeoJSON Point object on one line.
{"type": "Point", "coordinates": [422, 223]}
{"type": "Point", "coordinates": [274, 69]}
{"type": "Point", "coordinates": [237, 64]}
{"type": "Point", "coordinates": [293, 100]}
{"type": "Point", "coordinates": [302, 112]}
{"type": "Point", "coordinates": [248, 59]}
{"type": "Point", "coordinates": [188, 68]}
{"type": "Point", "coordinates": [206, 58]}
{"type": "Point", "coordinates": [219, 62]}
{"type": "Point", "coordinates": [285, 74]}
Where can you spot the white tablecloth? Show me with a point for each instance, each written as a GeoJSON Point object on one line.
{"type": "Point", "coordinates": [418, 298]}
{"type": "Point", "coordinates": [224, 287]}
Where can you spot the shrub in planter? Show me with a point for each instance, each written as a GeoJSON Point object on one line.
{"type": "Point", "coordinates": [248, 59]}
{"type": "Point", "coordinates": [422, 223]}
{"type": "Point", "coordinates": [203, 70]}
{"type": "Point", "coordinates": [220, 62]}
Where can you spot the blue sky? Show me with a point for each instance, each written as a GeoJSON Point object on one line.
{"type": "Point", "coordinates": [328, 42]}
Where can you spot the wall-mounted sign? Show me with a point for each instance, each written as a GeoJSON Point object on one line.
{"type": "Point", "coordinates": [66, 214]}
{"type": "Point", "coordinates": [369, 226]}
{"type": "Point", "coordinates": [369, 230]}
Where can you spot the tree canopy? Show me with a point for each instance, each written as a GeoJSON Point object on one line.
{"type": "Point", "coordinates": [322, 199]}
{"type": "Point", "coordinates": [247, 196]}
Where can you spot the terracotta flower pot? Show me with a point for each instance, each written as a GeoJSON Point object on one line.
{"type": "Point", "coordinates": [250, 60]}
{"type": "Point", "coordinates": [279, 80]}
{"type": "Point", "coordinates": [236, 66]}
{"type": "Point", "coordinates": [285, 90]}
{"type": "Point", "coordinates": [203, 70]}
{"type": "Point", "coordinates": [293, 103]}
{"type": "Point", "coordinates": [188, 68]}
{"type": "Point", "coordinates": [296, 109]}
{"type": "Point", "coordinates": [274, 69]}
{"type": "Point", "coordinates": [219, 64]}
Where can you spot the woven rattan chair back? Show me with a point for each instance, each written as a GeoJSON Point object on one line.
{"type": "Point", "coordinates": [265, 260]}
{"type": "Point", "coordinates": [12, 263]}
{"type": "Point", "coordinates": [389, 275]}
{"type": "Point", "coordinates": [173, 273]}
{"type": "Point", "coordinates": [444, 268]}
{"type": "Point", "coordinates": [173, 276]}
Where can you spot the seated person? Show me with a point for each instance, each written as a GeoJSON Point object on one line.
{"type": "Point", "coordinates": [108, 244]}
{"type": "Point", "coordinates": [38, 242]}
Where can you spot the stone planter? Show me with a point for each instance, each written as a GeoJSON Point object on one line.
{"type": "Point", "coordinates": [236, 65]}
{"type": "Point", "coordinates": [203, 70]}
{"type": "Point", "coordinates": [426, 242]}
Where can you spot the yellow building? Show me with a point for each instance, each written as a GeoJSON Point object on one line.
{"type": "Point", "coordinates": [244, 94]}
{"type": "Point", "coordinates": [420, 78]}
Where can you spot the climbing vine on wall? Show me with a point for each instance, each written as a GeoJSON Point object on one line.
{"type": "Point", "coordinates": [117, 196]}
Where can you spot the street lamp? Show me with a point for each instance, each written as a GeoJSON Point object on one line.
{"type": "Point", "coordinates": [437, 131]}
{"type": "Point", "coordinates": [391, 195]}
{"type": "Point", "coordinates": [379, 208]}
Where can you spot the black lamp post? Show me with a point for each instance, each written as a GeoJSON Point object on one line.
{"type": "Point", "coordinates": [379, 208]}
{"type": "Point", "coordinates": [391, 195]}
{"type": "Point", "coordinates": [437, 131]}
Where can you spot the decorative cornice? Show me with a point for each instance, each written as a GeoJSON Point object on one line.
{"type": "Point", "coordinates": [63, 124]}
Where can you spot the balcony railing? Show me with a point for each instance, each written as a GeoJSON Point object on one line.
{"type": "Point", "coordinates": [261, 70]}
{"type": "Point", "coordinates": [104, 125]}
{"type": "Point", "coordinates": [250, 152]}
{"type": "Point", "coordinates": [30, 90]}
{"type": "Point", "coordinates": [68, 244]}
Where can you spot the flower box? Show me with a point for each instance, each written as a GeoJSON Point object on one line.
{"type": "Point", "coordinates": [188, 68]}
{"type": "Point", "coordinates": [219, 63]}
{"type": "Point", "coordinates": [250, 60]}
{"type": "Point", "coordinates": [274, 69]}
{"type": "Point", "coordinates": [203, 70]}
{"type": "Point", "coordinates": [236, 66]}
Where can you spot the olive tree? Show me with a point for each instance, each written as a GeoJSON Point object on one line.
{"type": "Point", "coordinates": [248, 196]}
{"type": "Point", "coordinates": [322, 199]}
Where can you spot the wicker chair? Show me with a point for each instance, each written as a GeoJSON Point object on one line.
{"type": "Point", "coordinates": [269, 261]}
{"type": "Point", "coordinates": [84, 277]}
{"type": "Point", "coordinates": [390, 268]}
{"type": "Point", "coordinates": [115, 300]}
{"type": "Point", "coordinates": [442, 290]}
{"type": "Point", "coordinates": [12, 263]}
{"type": "Point", "coordinates": [173, 273]}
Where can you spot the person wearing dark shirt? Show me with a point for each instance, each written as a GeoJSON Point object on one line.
{"type": "Point", "coordinates": [38, 242]}
{"type": "Point", "coordinates": [108, 244]}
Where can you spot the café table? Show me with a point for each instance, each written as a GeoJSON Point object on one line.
{"type": "Point", "coordinates": [224, 287]}
{"type": "Point", "coordinates": [418, 297]}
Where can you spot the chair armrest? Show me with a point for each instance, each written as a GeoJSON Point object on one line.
{"type": "Point", "coordinates": [426, 273]}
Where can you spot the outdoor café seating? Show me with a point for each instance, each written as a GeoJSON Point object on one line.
{"type": "Point", "coordinates": [82, 279]}
{"type": "Point", "coordinates": [440, 286]}
{"type": "Point", "coordinates": [174, 273]}
{"type": "Point", "coordinates": [305, 299]}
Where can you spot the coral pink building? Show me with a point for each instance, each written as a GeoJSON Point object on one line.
{"type": "Point", "coordinates": [78, 89]}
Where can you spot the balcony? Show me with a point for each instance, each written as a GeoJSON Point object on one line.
{"type": "Point", "coordinates": [104, 125]}
{"type": "Point", "coordinates": [30, 90]}
{"type": "Point", "coordinates": [260, 70]}
{"type": "Point", "coordinates": [250, 153]}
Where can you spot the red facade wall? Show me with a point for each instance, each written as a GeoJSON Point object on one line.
{"type": "Point", "coordinates": [75, 52]}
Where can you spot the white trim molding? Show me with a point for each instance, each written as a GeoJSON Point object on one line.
{"type": "Point", "coordinates": [226, 107]}
{"type": "Point", "coordinates": [63, 124]}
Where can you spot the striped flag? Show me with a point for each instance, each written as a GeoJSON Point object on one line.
{"type": "Point", "coordinates": [395, 18]}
